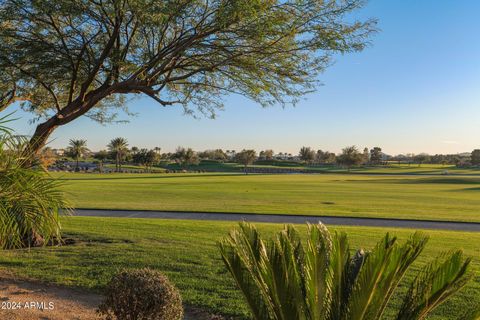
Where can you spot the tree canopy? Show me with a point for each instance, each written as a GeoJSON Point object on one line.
{"type": "Point", "coordinates": [62, 59]}
{"type": "Point", "coordinates": [307, 154]}
{"type": "Point", "coordinates": [350, 156]}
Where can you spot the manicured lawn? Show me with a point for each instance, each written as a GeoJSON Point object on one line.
{"type": "Point", "coordinates": [135, 168]}
{"type": "Point", "coordinates": [186, 251]}
{"type": "Point", "coordinates": [392, 168]}
{"type": "Point", "coordinates": [392, 196]}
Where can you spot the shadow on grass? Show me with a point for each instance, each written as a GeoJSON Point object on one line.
{"type": "Point", "coordinates": [166, 176]}
{"type": "Point", "coordinates": [471, 189]}
{"type": "Point", "coordinates": [433, 180]}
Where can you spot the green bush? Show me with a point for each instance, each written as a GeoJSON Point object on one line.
{"type": "Point", "coordinates": [320, 278]}
{"type": "Point", "coordinates": [141, 294]}
{"type": "Point", "coordinates": [30, 200]}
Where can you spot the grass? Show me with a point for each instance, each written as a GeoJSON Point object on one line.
{"type": "Point", "coordinates": [186, 251]}
{"type": "Point", "coordinates": [392, 168]}
{"type": "Point", "coordinates": [455, 198]}
{"type": "Point", "coordinates": [133, 167]}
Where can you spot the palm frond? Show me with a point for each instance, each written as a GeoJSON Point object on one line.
{"type": "Point", "coordinates": [380, 274]}
{"type": "Point", "coordinates": [30, 200]}
{"type": "Point", "coordinates": [439, 280]}
{"type": "Point", "coordinates": [242, 253]}
{"type": "Point", "coordinates": [285, 279]}
{"type": "Point", "coordinates": [318, 273]}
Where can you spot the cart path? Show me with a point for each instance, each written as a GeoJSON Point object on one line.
{"type": "Point", "coordinates": [283, 218]}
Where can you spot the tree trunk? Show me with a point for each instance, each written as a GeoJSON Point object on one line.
{"type": "Point", "coordinates": [32, 239]}
{"type": "Point", "coordinates": [41, 135]}
{"type": "Point", "coordinates": [67, 114]}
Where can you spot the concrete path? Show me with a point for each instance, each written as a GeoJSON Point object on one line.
{"type": "Point", "coordinates": [284, 218]}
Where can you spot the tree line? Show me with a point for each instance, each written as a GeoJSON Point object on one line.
{"type": "Point", "coordinates": [119, 152]}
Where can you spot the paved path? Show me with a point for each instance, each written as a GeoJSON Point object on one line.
{"type": "Point", "coordinates": [284, 218]}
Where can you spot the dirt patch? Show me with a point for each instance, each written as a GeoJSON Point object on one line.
{"type": "Point", "coordinates": [30, 300]}
{"type": "Point", "coordinates": [25, 299]}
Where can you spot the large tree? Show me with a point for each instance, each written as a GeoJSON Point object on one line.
{"type": "Point", "coordinates": [63, 59]}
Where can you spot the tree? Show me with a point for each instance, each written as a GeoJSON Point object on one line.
{"type": "Point", "coordinates": [119, 148]}
{"type": "Point", "coordinates": [349, 157]}
{"type": "Point", "coordinates": [76, 150]}
{"type": "Point", "coordinates": [66, 59]}
{"type": "Point", "coordinates": [286, 278]}
{"type": "Point", "coordinates": [134, 150]}
{"type": "Point", "coordinates": [217, 154]}
{"type": "Point", "coordinates": [325, 157]}
{"type": "Point", "coordinates": [421, 158]}
{"type": "Point", "coordinates": [151, 157]}
{"type": "Point", "coordinates": [146, 157]}
{"type": "Point", "coordinates": [30, 200]}
{"type": "Point", "coordinates": [376, 155]}
{"type": "Point", "coordinates": [475, 157]}
{"type": "Point", "coordinates": [186, 157]}
{"type": "Point", "coordinates": [366, 156]}
{"type": "Point", "coordinates": [246, 157]}
{"type": "Point", "coordinates": [266, 154]}
{"type": "Point", "coordinates": [307, 154]}
{"type": "Point", "coordinates": [101, 156]}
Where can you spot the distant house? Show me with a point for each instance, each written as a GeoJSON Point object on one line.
{"type": "Point", "coordinates": [59, 152]}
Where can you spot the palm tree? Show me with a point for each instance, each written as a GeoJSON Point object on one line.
{"type": "Point", "coordinates": [77, 149]}
{"type": "Point", "coordinates": [288, 279]}
{"type": "Point", "coordinates": [30, 200]}
{"type": "Point", "coordinates": [119, 147]}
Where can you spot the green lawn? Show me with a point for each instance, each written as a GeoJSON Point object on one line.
{"type": "Point", "coordinates": [392, 168]}
{"type": "Point", "coordinates": [392, 196]}
{"type": "Point", "coordinates": [186, 252]}
{"type": "Point", "coordinates": [135, 168]}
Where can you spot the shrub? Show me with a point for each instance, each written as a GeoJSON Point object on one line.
{"type": "Point", "coordinates": [141, 294]}
{"type": "Point", "coordinates": [286, 278]}
{"type": "Point", "coordinates": [30, 200]}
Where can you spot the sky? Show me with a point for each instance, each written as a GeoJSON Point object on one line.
{"type": "Point", "coordinates": [415, 89]}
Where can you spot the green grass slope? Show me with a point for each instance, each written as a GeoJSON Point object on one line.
{"type": "Point", "coordinates": [186, 251]}
{"type": "Point", "coordinates": [455, 198]}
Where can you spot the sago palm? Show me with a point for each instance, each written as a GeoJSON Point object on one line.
{"type": "Point", "coordinates": [319, 279]}
{"type": "Point", "coordinates": [30, 201]}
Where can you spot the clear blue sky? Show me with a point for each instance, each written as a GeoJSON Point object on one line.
{"type": "Point", "coordinates": [416, 89]}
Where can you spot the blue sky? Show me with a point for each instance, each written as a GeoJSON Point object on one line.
{"type": "Point", "coordinates": [416, 89]}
